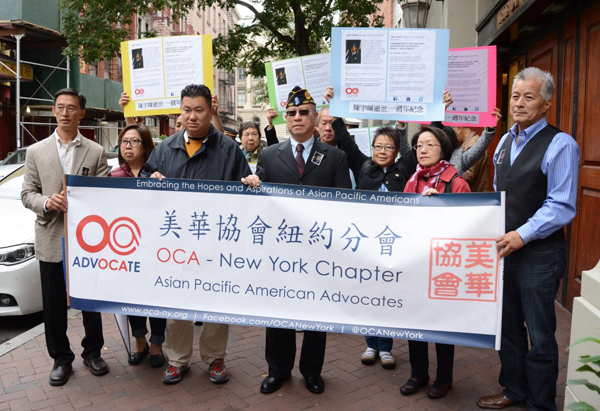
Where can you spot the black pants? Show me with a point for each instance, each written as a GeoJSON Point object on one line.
{"type": "Point", "coordinates": [280, 352]}
{"type": "Point", "coordinates": [157, 326]}
{"type": "Point", "coordinates": [54, 298]}
{"type": "Point", "coordinates": [419, 361]}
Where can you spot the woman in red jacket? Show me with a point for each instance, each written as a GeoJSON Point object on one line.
{"type": "Point", "coordinates": [434, 175]}
{"type": "Point", "coordinates": [135, 146]}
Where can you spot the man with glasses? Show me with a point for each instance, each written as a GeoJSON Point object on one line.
{"type": "Point", "coordinates": [66, 151]}
{"type": "Point", "coordinates": [301, 160]}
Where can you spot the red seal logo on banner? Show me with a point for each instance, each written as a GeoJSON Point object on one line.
{"type": "Point", "coordinates": [128, 229]}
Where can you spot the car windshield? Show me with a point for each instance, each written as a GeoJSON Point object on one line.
{"type": "Point", "coordinates": [18, 157]}
{"type": "Point", "coordinates": [10, 187]}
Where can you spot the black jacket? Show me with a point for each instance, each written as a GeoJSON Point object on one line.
{"type": "Point", "coordinates": [219, 158]}
{"type": "Point", "coordinates": [276, 164]}
{"type": "Point", "coordinates": [368, 175]}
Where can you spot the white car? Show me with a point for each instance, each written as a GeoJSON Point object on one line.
{"type": "Point", "coordinates": [12, 162]}
{"type": "Point", "coordinates": [20, 288]}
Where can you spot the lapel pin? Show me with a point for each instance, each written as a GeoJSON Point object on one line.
{"type": "Point", "coordinates": [317, 158]}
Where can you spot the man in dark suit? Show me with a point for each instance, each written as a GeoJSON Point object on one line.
{"type": "Point", "coordinates": [301, 160]}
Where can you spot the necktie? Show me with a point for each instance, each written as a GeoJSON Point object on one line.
{"type": "Point", "coordinates": [299, 159]}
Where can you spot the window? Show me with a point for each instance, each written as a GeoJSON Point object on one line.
{"type": "Point", "coordinates": [107, 69]}
{"type": "Point", "coordinates": [93, 69]}
{"type": "Point", "coordinates": [241, 74]}
{"type": "Point", "coordinates": [256, 121]}
{"type": "Point", "coordinates": [139, 29]}
{"type": "Point", "coordinates": [241, 97]}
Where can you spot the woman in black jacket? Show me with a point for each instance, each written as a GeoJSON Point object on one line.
{"type": "Point", "coordinates": [383, 171]}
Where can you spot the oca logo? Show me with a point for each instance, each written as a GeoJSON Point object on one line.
{"type": "Point", "coordinates": [122, 235]}
{"type": "Point", "coordinates": [139, 91]}
{"type": "Point", "coordinates": [351, 90]}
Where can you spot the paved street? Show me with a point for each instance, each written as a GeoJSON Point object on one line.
{"type": "Point", "coordinates": [349, 384]}
{"type": "Point", "coordinates": [12, 326]}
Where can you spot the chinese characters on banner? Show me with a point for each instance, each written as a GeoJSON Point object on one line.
{"type": "Point", "coordinates": [334, 260]}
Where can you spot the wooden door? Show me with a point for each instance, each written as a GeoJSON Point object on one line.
{"type": "Point", "coordinates": [585, 238]}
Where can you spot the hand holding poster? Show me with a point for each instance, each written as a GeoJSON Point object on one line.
{"type": "Point", "coordinates": [389, 74]}
{"type": "Point", "coordinates": [155, 70]}
{"type": "Point", "coordinates": [309, 72]}
{"type": "Point", "coordinates": [360, 262]}
{"type": "Point", "coordinates": [472, 84]}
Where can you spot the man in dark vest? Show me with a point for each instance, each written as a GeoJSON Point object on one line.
{"type": "Point", "coordinates": [300, 160]}
{"type": "Point", "coordinates": [537, 166]}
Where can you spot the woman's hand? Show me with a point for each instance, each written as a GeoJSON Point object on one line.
{"type": "Point", "coordinates": [430, 191]}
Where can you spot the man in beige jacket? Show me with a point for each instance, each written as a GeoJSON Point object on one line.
{"type": "Point", "coordinates": [66, 151]}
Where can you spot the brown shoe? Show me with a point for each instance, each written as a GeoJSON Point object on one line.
{"type": "Point", "coordinates": [496, 402]}
{"type": "Point", "coordinates": [413, 385]}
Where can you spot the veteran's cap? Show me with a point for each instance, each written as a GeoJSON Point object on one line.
{"type": "Point", "coordinates": [299, 96]}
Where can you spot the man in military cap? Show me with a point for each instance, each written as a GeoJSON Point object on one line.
{"type": "Point", "coordinates": [353, 54]}
{"type": "Point", "coordinates": [300, 160]}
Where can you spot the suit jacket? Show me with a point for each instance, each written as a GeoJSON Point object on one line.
{"type": "Point", "coordinates": [276, 164]}
{"type": "Point", "coordinates": [44, 177]}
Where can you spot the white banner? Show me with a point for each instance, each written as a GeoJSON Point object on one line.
{"type": "Point", "coordinates": [361, 262]}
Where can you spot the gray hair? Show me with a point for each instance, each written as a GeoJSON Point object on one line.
{"type": "Point", "coordinates": [545, 78]}
{"type": "Point", "coordinates": [321, 114]}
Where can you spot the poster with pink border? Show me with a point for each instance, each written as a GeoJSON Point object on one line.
{"type": "Point", "coordinates": [472, 85]}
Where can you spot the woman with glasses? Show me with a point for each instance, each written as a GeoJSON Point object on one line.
{"type": "Point", "coordinates": [434, 175]}
{"type": "Point", "coordinates": [135, 146]}
{"type": "Point", "coordinates": [384, 171]}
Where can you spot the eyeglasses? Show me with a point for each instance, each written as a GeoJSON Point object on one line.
{"type": "Point", "coordinates": [427, 147]}
{"type": "Point", "coordinates": [134, 142]}
{"type": "Point", "coordinates": [379, 147]}
{"type": "Point", "coordinates": [70, 109]}
{"type": "Point", "coordinates": [304, 112]}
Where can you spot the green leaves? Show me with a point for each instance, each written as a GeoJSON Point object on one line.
{"type": "Point", "coordinates": [588, 361]}
{"type": "Point", "coordinates": [281, 28]}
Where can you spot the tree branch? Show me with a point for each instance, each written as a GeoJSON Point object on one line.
{"type": "Point", "coordinates": [259, 16]}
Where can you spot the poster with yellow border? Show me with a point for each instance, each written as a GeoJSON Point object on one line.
{"type": "Point", "coordinates": [155, 70]}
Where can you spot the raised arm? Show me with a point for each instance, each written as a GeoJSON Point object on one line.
{"type": "Point", "coordinates": [122, 101]}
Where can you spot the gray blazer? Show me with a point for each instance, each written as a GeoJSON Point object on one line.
{"type": "Point", "coordinates": [44, 177]}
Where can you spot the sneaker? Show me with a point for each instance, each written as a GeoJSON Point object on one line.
{"type": "Point", "coordinates": [173, 375]}
{"type": "Point", "coordinates": [217, 372]}
{"type": "Point", "coordinates": [369, 356]}
{"type": "Point", "coordinates": [387, 360]}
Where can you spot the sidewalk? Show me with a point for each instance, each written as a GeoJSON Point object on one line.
{"type": "Point", "coordinates": [348, 384]}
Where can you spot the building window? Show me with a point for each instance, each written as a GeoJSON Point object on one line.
{"type": "Point", "coordinates": [241, 74]}
{"type": "Point", "coordinates": [241, 97]}
{"type": "Point", "coordinates": [93, 69]}
{"type": "Point", "coordinates": [107, 69]}
{"type": "Point", "coordinates": [256, 121]}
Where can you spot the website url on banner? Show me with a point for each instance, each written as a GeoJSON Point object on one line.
{"type": "Point", "coordinates": [154, 312]}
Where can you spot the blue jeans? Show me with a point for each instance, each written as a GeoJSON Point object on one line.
{"type": "Point", "coordinates": [531, 278]}
{"type": "Point", "coordinates": [380, 343]}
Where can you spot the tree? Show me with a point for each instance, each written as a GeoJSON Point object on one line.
{"type": "Point", "coordinates": [94, 28]}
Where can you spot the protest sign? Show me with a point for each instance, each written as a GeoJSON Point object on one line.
{"type": "Point", "coordinates": [472, 85]}
{"type": "Point", "coordinates": [360, 262]}
{"type": "Point", "coordinates": [389, 74]}
{"type": "Point", "coordinates": [309, 72]}
{"type": "Point", "coordinates": [155, 70]}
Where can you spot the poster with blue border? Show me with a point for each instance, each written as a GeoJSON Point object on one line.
{"type": "Point", "coordinates": [389, 74]}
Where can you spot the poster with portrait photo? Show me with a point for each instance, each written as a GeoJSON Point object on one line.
{"type": "Point", "coordinates": [137, 58]}
{"type": "Point", "coordinates": [280, 75]}
{"type": "Point", "coordinates": [353, 51]}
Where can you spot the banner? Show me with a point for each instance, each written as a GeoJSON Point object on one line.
{"type": "Point", "coordinates": [472, 85]}
{"type": "Point", "coordinates": [336, 260]}
{"type": "Point", "coordinates": [155, 70]}
{"type": "Point", "coordinates": [389, 74]}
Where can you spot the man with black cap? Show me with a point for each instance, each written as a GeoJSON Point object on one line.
{"type": "Point", "coordinates": [301, 160]}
